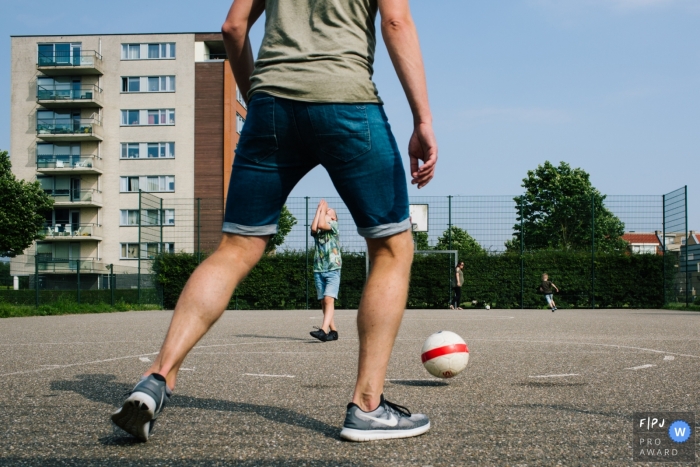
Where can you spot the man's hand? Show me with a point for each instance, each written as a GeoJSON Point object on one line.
{"type": "Point", "coordinates": [422, 146]}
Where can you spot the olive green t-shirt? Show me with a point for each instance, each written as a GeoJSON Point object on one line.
{"type": "Point", "coordinates": [318, 51]}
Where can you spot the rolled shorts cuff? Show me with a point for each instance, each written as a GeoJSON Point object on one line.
{"type": "Point", "coordinates": [385, 230]}
{"type": "Point", "coordinates": [249, 230]}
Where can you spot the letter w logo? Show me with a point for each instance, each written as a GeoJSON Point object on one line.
{"type": "Point", "coordinates": [680, 432]}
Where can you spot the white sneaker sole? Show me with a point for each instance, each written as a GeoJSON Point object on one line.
{"type": "Point", "coordinates": [351, 434]}
{"type": "Point", "coordinates": [136, 415]}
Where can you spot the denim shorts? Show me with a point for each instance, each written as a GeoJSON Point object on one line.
{"type": "Point", "coordinates": [548, 297]}
{"type": "Point", "coordinates": [283, 139]}
{"type": "Point", "coordinates": [327, 284]}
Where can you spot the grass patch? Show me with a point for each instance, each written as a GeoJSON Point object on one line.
{"type": "Point", "coordinates": [61, 307]}
{"type": "Point", "coordinates": [682, 307]}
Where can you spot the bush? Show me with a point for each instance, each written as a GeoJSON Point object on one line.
{"type": "Point", "coordinates": [279, 281]}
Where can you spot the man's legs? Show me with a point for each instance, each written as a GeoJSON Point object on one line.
{"type": "Point", "coordinates": [379, 317]}
{"type": "Point", "coordinates": [204, 299]}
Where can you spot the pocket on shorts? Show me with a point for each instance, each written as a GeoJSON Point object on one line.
{"type": "Point", "coordinates": [258, 139]}
{"type": "Point", "coordinates": [341, 130]}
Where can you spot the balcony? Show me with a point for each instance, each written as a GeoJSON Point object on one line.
{"type": "Point", "coordinates": [62, 63]}
{"type": "Point", "coordinates": [73, 232]}
{"type": "Point", "coordinates": [47, 264]}
{"type": "Point", "coordinates": [69, 129]}
{"type": "Point", "coordinates": [58, 96]}
{"type": "Point", "coordinates": [65, 164]}
{"type": "Point", "coordinates": [77, 198]}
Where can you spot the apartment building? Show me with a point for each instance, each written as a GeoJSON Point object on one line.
{"type": "Point", "coordinates": [96, 118]}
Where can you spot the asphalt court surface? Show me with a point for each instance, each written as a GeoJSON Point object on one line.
{"type": "Point", "coordinates": [541, 388]}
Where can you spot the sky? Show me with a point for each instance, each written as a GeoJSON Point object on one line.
{"type": "Point", "coordinates": [610, 86]}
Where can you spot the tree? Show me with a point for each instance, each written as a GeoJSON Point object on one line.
{"type": "Point", "coordinates": [287, 221]}
{"type": "Point", "coordinates": [460, 240]}
{"type": "Point", "coordinates": [421, 240]}
{"type": "Point", "coordinates": [558, 208]}
{"type": "Point", "coordinates": [22, 209]}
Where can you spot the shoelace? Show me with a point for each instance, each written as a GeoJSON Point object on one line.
{"type": "Point", "coordinates": [398, 408]}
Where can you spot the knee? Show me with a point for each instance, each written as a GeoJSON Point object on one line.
{"type": "Point", "coordinates": [397, 247]}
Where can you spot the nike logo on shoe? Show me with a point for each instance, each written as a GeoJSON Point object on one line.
{"type": "Point", "coordinates": [390, 422]}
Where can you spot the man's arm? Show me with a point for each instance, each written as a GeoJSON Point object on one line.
{"type": "Point", "coordinates": [401, 40]}
{"type": "Point", "coordinates": [241, 17]}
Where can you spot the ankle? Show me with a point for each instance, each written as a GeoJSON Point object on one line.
{"type": "Point", "coordinates": [367, 402]}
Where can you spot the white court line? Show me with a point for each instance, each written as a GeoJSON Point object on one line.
{"type": "Point", "coordinates": [95, 362]}
{"type": "Point", "coordinates": [554, 376]}
{"type": "Point", "coordinates": [669, 357]}
{"type": "Point", "coordinates": [585, 343]}
{"type": "Point", "coordinates": [268, 376]}
{"type": "Point", "coordinates": [145, 359]}
{"type": "Point", "coordinates": [640, 367]}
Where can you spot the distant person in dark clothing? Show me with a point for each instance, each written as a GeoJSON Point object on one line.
{"type": "Point", "coordinates": [457, 282]}
{"type": "Point", "coordinates": [546, 289]}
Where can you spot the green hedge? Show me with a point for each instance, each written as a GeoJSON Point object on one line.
{"type": "Point", "coordinates": [46, 297]}
{"type": "Point", "coordinates": [279, 281]}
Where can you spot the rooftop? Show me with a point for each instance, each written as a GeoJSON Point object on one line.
{"type": "Point", "coordinates": [115, 34]}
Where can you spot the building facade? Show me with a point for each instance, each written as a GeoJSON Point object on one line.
{"type": "Point", "coordinates": [98, 118]}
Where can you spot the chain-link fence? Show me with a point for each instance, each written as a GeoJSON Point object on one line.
{"type": "Point", "coordinates": [608, 251]}
{"type": "Point", "coordinates": [43, 282]}
{"type": "Point", "coordinates": [504, 252]}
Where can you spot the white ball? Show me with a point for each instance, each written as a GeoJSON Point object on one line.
{"type": "Point", "coordinates": [445, 354]}
{"type": "Point", "coordinates": [488, 307]}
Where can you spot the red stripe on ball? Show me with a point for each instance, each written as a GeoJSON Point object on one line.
{"type": "Point", "coordinates": [440, 351]}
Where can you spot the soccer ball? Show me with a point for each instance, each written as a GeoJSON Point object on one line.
{"type": "Point", "coordinates": [488, 307]}
{"type": "Point", "coordinates": [445, 354]}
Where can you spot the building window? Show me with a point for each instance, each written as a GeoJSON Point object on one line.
{"type": "Point", "coordinates": [130, 217]}
{"type": "Point", "coordinates": [151, 184]}
{"type": "Point", "coordinates": [61, 53]}
{"type": "Point", "coordinates": [239, 98]}
{"type": "Point", "coordinates": [240, 121]}
{"type": "Point", "coordinates": [148, 84]}
{"type": "Point", "coordinates": [58, 121]}
{"type": "Point", "coordinates": [156, 51]}
{"type": "Point", "coordinates": [147, 250]}
{"type": "Point", "coordinates": [148, 150]}
{"type": "Point", "coordinates": [148, 117]}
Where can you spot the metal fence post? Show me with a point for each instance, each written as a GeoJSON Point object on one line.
{"type": "Point", "coordinates": [449, 222]}
{"type": "Point", "coordinates": [111, 284]}
{"type": "Point", "coordinates": [449, 241]}
{"type": "Point", "coordinates": [36, 281]}
{"type": "Point", "coordinates": [688, 282]}
{"type": "Point", "coordinates": [138, 274]}
{"type": "Point", "coordinates": [522, 253]}
{"type": "Point", "coordinates": [592, 250]}
{"type": "Point", "coordinates": [78, 279]}
{"type": "Point", "coordinates": [306, 271]}
{"type": "Point", "coordinates": [663, 245]}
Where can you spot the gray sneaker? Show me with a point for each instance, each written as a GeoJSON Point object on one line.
{"type": "Point", "coordinates": [140, 410]}
{"type": "Point", "coordinates": [385, 422]}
